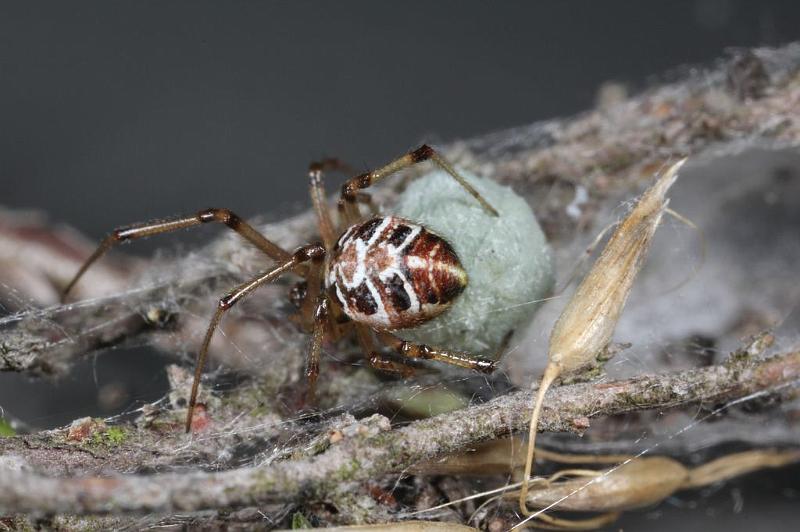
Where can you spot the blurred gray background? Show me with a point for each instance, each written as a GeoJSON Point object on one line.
{"type": "Point", "coordinates": [114, 112]}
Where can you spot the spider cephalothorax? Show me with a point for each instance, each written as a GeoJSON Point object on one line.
{"type": "Point", "coordinates": [384, 274]}
{"type": "Point", "coordinates": [391, 273]}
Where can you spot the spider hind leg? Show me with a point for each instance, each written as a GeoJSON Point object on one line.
{"type": "Point", "coordinates": [414, 350]}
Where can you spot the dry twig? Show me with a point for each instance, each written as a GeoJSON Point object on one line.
{"type": "Point", "coordinates": [361, 459]}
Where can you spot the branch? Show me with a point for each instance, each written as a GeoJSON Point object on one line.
{"type": "Point", "coordinates": [358, 459]}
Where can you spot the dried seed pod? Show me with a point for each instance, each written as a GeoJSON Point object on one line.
{"type": "Point", "coordinates": [737, 464]}
{"type": "Point", "coordinates": [640, 482]}
{"type": "Point", "coordinates": [587, 324]}
{"type": "Point", "coordinates": [635, 482]}
{"type": "Point", "coordinates": [502, 456]}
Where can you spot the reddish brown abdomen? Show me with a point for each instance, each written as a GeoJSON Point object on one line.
{"type": "Point", "coordinates": [391, 273]}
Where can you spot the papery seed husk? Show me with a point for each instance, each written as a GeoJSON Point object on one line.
{"type": "Point", "coordinates": [587, 324]}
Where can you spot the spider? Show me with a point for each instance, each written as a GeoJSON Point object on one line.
{"type": "Point", "coordinates": [380, 275]}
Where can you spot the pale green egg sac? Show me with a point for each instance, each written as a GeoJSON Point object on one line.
{"type": "Point", "coordinates": [507, 259]}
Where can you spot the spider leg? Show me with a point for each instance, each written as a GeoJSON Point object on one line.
{"type": "Point", "coordinates": [350, 189]}
{"type": "Point", "coordinates": [311, 252]}
{"type": "Point", "coordinates": [448, 356]}
{"type": "Point", "coordinates": [364, 199]}
{"type": "Point", "coordinates": [319, 199]}
{"type": "Point", "coordinates": [308, 308]}
{"type": "Point", "coordinates": [333, 164]}
{"type": "Point", "coordinates": [382, 363]}
{"type": "Point", "coordinates": [315, 347]}
{"type": "Point", "coordinates": [327, 228]}
{"type": "Point", "coordinates": [365, 340]}
{"type": "Point", "coordinates": [167, 225]}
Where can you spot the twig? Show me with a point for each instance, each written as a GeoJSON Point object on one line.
{"type": "Point", "coordinates": [359, 459]}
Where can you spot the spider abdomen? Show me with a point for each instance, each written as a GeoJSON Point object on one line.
{"type": "Point", "coordinates": [391, 273]}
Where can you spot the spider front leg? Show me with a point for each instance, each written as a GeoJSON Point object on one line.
{"type": "Point", "coordinates": [316, 170]}
{"type": "Point", "coordinates": [311, 252]}
{"type": "Point", "coordinates": [327, 229]}
{"type": "Point", "coordinates": [456, 358]}
{"type": "Point", "coordinates": [167, 225]}
{"type": "Point", "coordinates": [351, 188]}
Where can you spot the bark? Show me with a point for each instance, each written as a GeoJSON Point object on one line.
{"type": "Point", "coordinates": [368, 454]}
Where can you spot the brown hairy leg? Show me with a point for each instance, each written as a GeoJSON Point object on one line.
{"type": "Point", "coordinates": [168, 225]}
